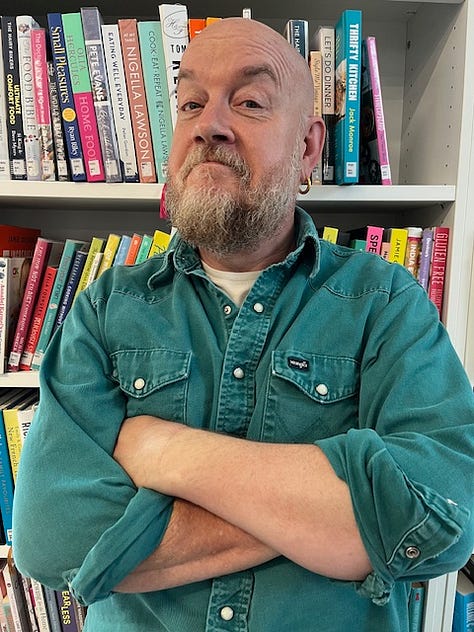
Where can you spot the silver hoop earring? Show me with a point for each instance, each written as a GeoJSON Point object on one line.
{"type": "Point", "coordinates": [305, 187]}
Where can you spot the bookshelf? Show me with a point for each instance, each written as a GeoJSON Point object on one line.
{"type": "Point", "coordinates": [426, 57]}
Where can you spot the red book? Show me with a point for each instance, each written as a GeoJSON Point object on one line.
{"type": "Point", "coordinates": [439, 258]}
{"type": "Point", "coordinates": [133, 249]}
{"type": "Point", "coordinates": [17, 241]}
{"type": "Point", "coordinates": [137, 99]}
{"type": "Point", "coordinates": [38, 318]}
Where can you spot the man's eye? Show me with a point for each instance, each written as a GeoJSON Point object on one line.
{"type": "Point", "coordinates": [191, 105]}
{"type": "Point", "coordinates": [249, 103]}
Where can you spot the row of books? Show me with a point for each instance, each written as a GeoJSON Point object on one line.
{"type": "Point", "coordinates": [463, 619]}
{"type": "Point", "coordinates": [423, 251]}
{"type": "Point", "coordinates": [25, 605]}
{"type": "Point", "coordinates": [83, 100]}
{"type": "Point", "coordinates": [38, 287]}
{"type": "Point", "coordinates": [348, 95]}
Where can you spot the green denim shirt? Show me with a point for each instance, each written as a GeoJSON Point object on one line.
{"type": "Point", "coordinates": [337, 348]}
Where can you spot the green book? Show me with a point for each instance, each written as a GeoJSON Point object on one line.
{"type": "Point", "coordinates": [145, 246]}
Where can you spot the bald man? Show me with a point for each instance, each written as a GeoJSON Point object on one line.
{"type": "Point", "coordinates": [264, 431]}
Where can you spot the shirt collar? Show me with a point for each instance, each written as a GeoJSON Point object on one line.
{"type": "Point", "coordinates": [184, 258]}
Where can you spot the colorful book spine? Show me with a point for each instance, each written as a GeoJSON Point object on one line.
{"type": "Point", "coordinates": [41, 611]}
{"type": "Point", "coordinates": [15, 596]}
{"type": "Point", "coordinates": [160, 243]}
{"type": "Point", "coordinates": [195, 26]}
{"type": "Point", "coordinates": [69, 118]}
{"type": "Point", "coordinates": [67, 614]}
{"type": "Point", "coordinates": [30, 610]}
{"type": "Point", "coordinates": [71, 287]}
{"type": "Point", "coordinates": [416, 602]}
{"type": "Point", "coordinates": [119, 98]}
{"type": "Point", "coordinates": [144, 249]}
{"type": "Point", "coordinates": [38, 317]}
{"type": "Point", "coordinates": [413, 249]}
{"type": "Point", "coordinates": [330, 234]}
{"type": "Point", "coordinates": [52, 608]}
{"type": "Point", "coordinates": [96, 245]}
{"type": "Point", "coordinates": [398, 244]}
{"type": "Point", "coordinates": [324, 41]}
{"type": "Point", "coordinates": [315, 66]}
{"type": "Point", "coordinates": [439, 260]}
{"type": "Point", "coordinates": [463, 617]}
{"type": "Point", "coordinates": [110, 250]}
{"type": "Point", "coordinates": [174, 27]}
{"type": "Point", "coordinates": [133, 249]}
{"type": "Point", "coordinates": [42, 106]}
{"type": "Point", "coordinates": [13, 435]}
{"type": "Point", "coordinates": [128, 31]}
{"type": "Point", "coordinates": [297, 34]}
{"type": "Point", "coordinates": [6, 484]}
{"type": "Point", "coordinates": [24, 24]}
{"type": "Point", "coordinates": [347, 87]}
{"type": "Point", "coordinates": [4, 159]}
{"type": "Point", "coordinates": [60, 151]}
{"type": "Point", "coordinates": [425, 257]}
{"type": "Point", "coordinates": [16, 144]}
{"type": "Point", "coordinates": [122, 250]}
{"type": "Point", "coordinates": [156, 89]}
{"type": "Point", "coordinates": [83, 99]}
{"type": "Point", "coordinates": [374, 239]}
{"type": "Point", "coordinates": [91, 25]}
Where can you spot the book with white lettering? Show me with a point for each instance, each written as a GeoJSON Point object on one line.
{"type": "Point", "coordinates": [297, 34]}
{"type": "Point", "coordinates": [83, 99]}
{"type": "Point", "coordinates": [62, 77]}
{"type": "Point", "coordinates": [315, 66]}
{"type": "Point", "coordinates": [91, 25]}
{"type": "Point", "coordinates": [24, 24]}
{"type": "Point", "coordinates": [347, 104]}
{"type": "Point", "coordinates": [4, 159]}
{"type": "Point", "coordinates": [174, 28]}
{"type": "Point", "coordinates": [59, 141]}
{"type": "Point", "coordinates": [137, 100]}
{"type": "Point", "coordinates": [374, 161]}
{"type": "Point", "coordinates": [119, 99]}
{"type": "Point", "coordinates": [13, 275]}
{"type": "Point", "coordinates": [439, 261]}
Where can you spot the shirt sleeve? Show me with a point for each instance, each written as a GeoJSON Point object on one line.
{"type": "Point", "coordinates": [78, 520]}
{"type": "Point", "coordinates": [410, 462]}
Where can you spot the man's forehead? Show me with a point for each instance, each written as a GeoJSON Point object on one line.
{"type": "Point", "coordinates": [244, 72]}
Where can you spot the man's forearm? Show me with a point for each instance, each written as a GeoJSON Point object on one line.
{"type": "Point", "coordinates": [197, 545]}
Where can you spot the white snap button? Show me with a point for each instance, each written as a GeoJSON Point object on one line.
{"type": "Point", "coordinates": [227, 613]}
{"type": "Point", "coordinates": [322, 389]}
{"type": "Point", "coordinates": [412, 552]}
{"type": "Point", "coordinates": [227, 310]}
{"type": "Point", "coordinates": [238, 373]}
{"type": "Point", "coordinates": [139, 383]}
{"type": "Point", "coordinates": [258, 307]}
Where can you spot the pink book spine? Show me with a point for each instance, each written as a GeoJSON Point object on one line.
{"type": "Point", "coordinates": [38, 265]}
{"type": "Point", "coordinates": [89, 136]}
{"type": "Point", "coordinates": [439, 259]}
{"type": "Point", "coordinates": [374, 239]}
{"type": "Point", "coordinates": [378, 111]}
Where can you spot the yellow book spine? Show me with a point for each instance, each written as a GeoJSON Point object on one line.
{"type": "Point", "coordinates": [96, 246]}
{"type": "Point", "coordinates": [160, 243]}
{"type": "Point", "coordinates": [110, 249]}
{"type": "Point", "coordinates": [330, 234]}
{"type": "Point", "coordinates": [398, 245]}
{"type": "Point", "coordinates": [14, 438]}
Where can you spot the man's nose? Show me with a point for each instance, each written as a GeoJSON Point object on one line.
{"type": "Point", "coordinates": [214, 124]}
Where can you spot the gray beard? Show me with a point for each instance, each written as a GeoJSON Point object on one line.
{"type": "Point", "coordinates": [225, 223]}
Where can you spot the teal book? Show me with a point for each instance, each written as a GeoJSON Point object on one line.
{"type": "Point", "coordinates": [463, 619]}
{"type": "Point", "coordinates": [416, 602]}
{"type": "Point", "coordinates": [347, 104]}
{"type": "Point", "coordinates": [71, 286]}
{"type": "Point", "coordinates": [144, 249]}
{"type": "Point", "coordinates": [156, 90]}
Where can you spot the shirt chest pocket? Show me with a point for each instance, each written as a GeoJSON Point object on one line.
{"type": "Point", "coordinates": [310, 396]}
{"type": "Point", "coordinates": [155, 381]}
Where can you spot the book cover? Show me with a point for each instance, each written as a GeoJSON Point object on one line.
{"type": "Point", "coordinates": [94, 268]}
{"type": "Point", "coordinates": [129, 41]}
{"type": "Point", "coordinates": [315, 66]}
{"type": "Point", "coordinates": [330, 233]}
{"type": "Point", "coordinates": [67, 614]}
{"type": "Point", "coordinates": [159, 244]}
{"type": "Point", "coordinates": [41, 611]}
{"type": "Point", "coordinates": [15, 595]}
{"type": "Point", "coordinates": [122, 250]}
{"type": "Point", "coordinates": [133, 249]}
{"type": "Point", "coordinates": [4, 158]}
{"type": "Point", "coordinates": [82, 93]}
{"type": "Point", "coordinates": [439, 260]}
{"type": "Point", "coordinates": [96, 245]}
{"type": "Point", "coordinates": [347, 89]}
{"type": "Point", "coordinates": [12, 429]}
{"type": "Point", "coordinates": [69, 118]}
{"type": "Point", "coordinates": [25, 415]}
{"type": "Point", "coordinates": [110, 250]}
{"type": "Point", "coordinates": [60, 151]}
{"type": "Point", "coordinates": [416, 602]}
{"type": "Point", "coordinates": [71, 287]}
{"type": "Point", "coordinates": [374, 239]}
{"type": "Point", "coordinates": [37, 319]}
{"type": "Point", "coordinates": [374, 160]}
{"type": "Point", "coordinates": [91, 25]}
{"type": "Point", "coordinates": [463, 617]}
{"type": "Point", "coordinates": [156, 90]}
{"type": "Point", "coordinates": [397, 237]}
{"type": "Point", "coordinates": [42, 106]}
{"type": "Point", "coordinates": [297, 34]}
{"type": "Point", "coordinates": [119, 98]}
{"type": "Point", "coordinates": [324, 41]}
{"type": "Point", "coordinates": [425, 257]}
{"type": "Point", "coordinates": [13, 276]}
{"type": "Point", "coordinates": [46, 251]}
{"type": "Point", "coordinates": [17, 241]}
{"type": "Point", "coordinates": [413, 249]}
{"type": "Point", "coordinates": [174, 28]}
{"type": "Point", "coordinates": [144, 249]}
{"type": "Point", "coordinates": [29, 598]}
{"type": "Point", "coordinates": [52, 608]}
{"type": "Point", "coordinates": [16, 144]}
{"type": "Point", "coordinates": [24, 24]}
{"type": "Point", "coordinates": [71, 246]}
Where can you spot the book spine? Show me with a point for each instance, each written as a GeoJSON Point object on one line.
{"type": "Point", "coordinates": [71, 286]}
{"type": "Point", "coordinates": [315, 66]}
{"type": "Point", "coordinates": [15, 596]}
{"type": "Point", "coordinates": [29, 603]}
{"type": "Point", "coordinates": [398, 243]}
{"type": "Point", "coordinates": [195, 26]}
{"type": "Point", "coordinates": [425, 257]}
{"type": "Point", "coordinates": [13, 435]}
{"type": "Point", "coordinates": [133, 249]}
{"type": "Point", "coordinates": [4, 282]}
{"type": "Point", "coordinates": [296, 33]}
{"type": "Point", "coordinates": [52, 608]}
{"type": "Point", "coordinates": [96, 246]}
{"type": "Point", "coordinates": [160, 243]}
{"type": "Point", "coordinates": [4, 159]}
{"type": "Point", "coordinates": [40, 606]}
{"type": "Point", "coordinates": [91, 24]}
{"type": "Point", "coordinates": [325, 42]}
{"type": "Point", "coordinates": [38, 266]}
{"type": "Point", "coordinates": [347, 77]}
{"type": "Point", "coordinates": [120, 106]}
{"type": "Point", "coordinates": [110, 250]}
{"type": "Point", "coordinates": [42, 107]}
{"type": "Point", "coordinates": [16, 144]}
{"type": "Point", "coordinates": [415, 607]}
{"type": "Point", "coordinates": [24, 24]}
{"type": "Point", "coordinates": [6, 484]}
{"type": "Point", "coordinates": [156, 89]}
{"type": "Point", "coordinates": [83, 99]}
{"type": "Point", "coordinates": [174, 28]}
{"type": "Point", "coordinates": [439, 259]}
{"type": "Point", "coordinates": [66, 99]}
{"type": "Point", "coordinates": [60, 152]}
{"type": "Point", "coordinates": [412, 254]}
{"type": "Point", "coordinates": [137, 100]}
{"type": "Point", "coordinates": [122, 250]}
{"type": "Point", "coordinates": [374, 239]}
{"type": "Point", "coordinates": [37, 319]}
{"type": "Point", "coordinates": [144, 249]}
{"type": "Point", "coordinates": [67, 614]}
{"type": "Point", "coordinates": [384, 161]}
{"type": "Point", "coordinates": [330, 234]}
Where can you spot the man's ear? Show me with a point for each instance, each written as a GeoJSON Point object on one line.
{"type": "Point", "coordinates": [314, 142]}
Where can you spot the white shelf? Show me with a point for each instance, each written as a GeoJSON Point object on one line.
{"type": "Point", "coordinates": [24, 379]}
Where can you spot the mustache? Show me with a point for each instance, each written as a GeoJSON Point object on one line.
{"type": "Point", "coordinates": [221, 155]}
